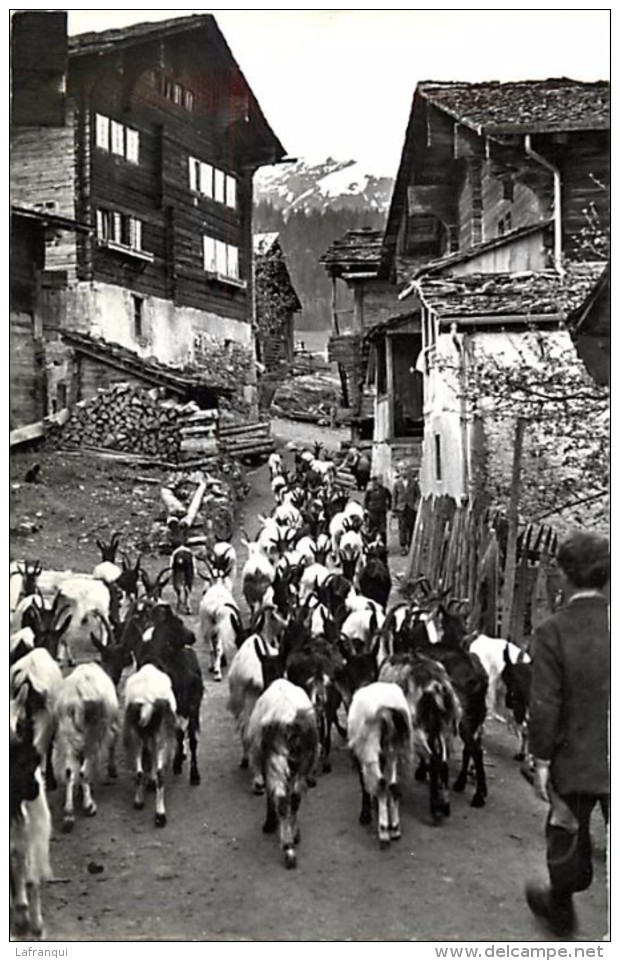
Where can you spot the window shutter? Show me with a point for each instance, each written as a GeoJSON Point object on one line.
{"type": "Point", "coordinates": [101, 225]}
{"type": "Point", "coordinates": [206, 180]}
{"type": "Point", "coordinates": [117, 228]}
{"type": "Point", "coordinates": [194, 173]}
{"type": "Point", "coordinates": [133, 145]}
{"type": "Point", "coordinates": [220, 258]}
{"type": "Point", "coordinates": [188, 100]}
{"type": "Point", "coordinates": [102, 131]}
{"type": "Point", "coordinates": [231, 191]}
{"type": "Point", "coordinates": [233, 262]}
{"type": "Point", "coordinates": [219, 186]}
{"type": "Point", "coordinates": [208, 247]}
{"type": "Point", "coordinates": [118, 140]}
{"type": "Point", "coordinates": [135, 233]}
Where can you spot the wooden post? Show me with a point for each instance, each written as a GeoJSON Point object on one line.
{"type": "Point", "coordinates": [513, 527]}
{"type": "Point", "coordinates": [194, 507]}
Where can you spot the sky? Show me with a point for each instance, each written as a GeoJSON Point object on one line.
{"type": "Point", "coordinates": [339, 83]}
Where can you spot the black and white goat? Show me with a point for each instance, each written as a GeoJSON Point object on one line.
{"type": "Point", "coordinates": [220, 626]}
{"type": "Point", "coordinates": [35, 684]}
{"type": "Point", "coordinates": [87, 721]}
{"type": "Point", "coordinates": [284, 741]}
{"type": "Point", "coordinates": [258, 574]}
{"type": "Point", "coordinates": [30, 825]}
{"type": "Point", "coordinates": [517, 678]}
{"type": "Point", "coordinates": [182, 565]}
{"type": "Point", "coordinates": [493, 653]}
{"type": "Point", "coordinates": [170, 648]}
{"type": "Point", "coordinates": [435, 715]}
{"type": "Point", "coordinates": [380, 737]}
{"type": "Point", "coordinates": [150, 732]}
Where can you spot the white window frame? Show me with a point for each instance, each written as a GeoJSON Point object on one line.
{"type": "Point", "coordinates": [231, 191]}
{"type": "Point", "coordinates": [221, 260]}
{"type": "Point", "coordinates": [206, 179]}
{"type": "Point", "coordinates": [121, 232]}
{"type": "Point", "coordinates": [219, 185]}
{"type": "Point", "coordinates": [102, 131]}
{"type": "Point", "coordinates": [116, 138]}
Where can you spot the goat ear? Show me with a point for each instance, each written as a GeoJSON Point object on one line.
{"type": "Point", "coordinates": [96, 642]}
{"type": "Point", "coordinates": [258, 648]}
{"type": "Point", "coordinates": [59, 631]}
{"type": "Point", "coordinates": [506, 653]}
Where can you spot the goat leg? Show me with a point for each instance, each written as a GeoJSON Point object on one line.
{"type": "Point", "coordinates": [36, 916]}
{"type": "Point", "coordinates": [393, 803]}
{"type": "Point", "coordinates": [271, 819]}
{"type": "Point", "coordinates": [177, 764]}
{"type": "Point", "coordinates": [366, 810]}
{"type": "Point", "coordinates": [383, 817]}
{"type": "Point", "coordinates": [18, 891]}
{"type": "Point", "coordinates": [138, 800]}
{"type": "Point", "coordinates": [160, 807]}
{"type": "Point", "coordinates": [69, 810]}
{"type": "Point", "coordinates": [88, 802]}
{"type": "Point", "coordinates": [194, 773]}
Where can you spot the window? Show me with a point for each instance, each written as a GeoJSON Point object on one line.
{"type": "Point", "coordinates": [508, 190]}
{"type": "Point", "coordinates": [137, 315]}
{"type": "Point", "coordinates": [219, 185]}
{"type": "Point", "coordinates": [116, 138]}
{"type": "Point", "coordinates": [504, 224]}
{"type": "Point", "coordinates": [212, 182]}
{"type": "Point", "coordinates": [220, 258]}
{"type": "Point", "coordinates": [438, 457]}
{"type": "Point", "coordinates": [176, 93]}
{"type": "Point", "coordinates": [121, 231]}
{"type": "Point", "coordinates": [231, 191]}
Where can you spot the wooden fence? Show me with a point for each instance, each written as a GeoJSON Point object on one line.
{"type": "Point", "coordinates": [464, 547]}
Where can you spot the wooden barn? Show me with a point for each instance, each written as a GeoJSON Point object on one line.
{"type": "Point", "coordinates": [276, 304]}
{"type": "Point", "coordinates": [500, 182]}
{"type": "Point", "coordinates": [150, 135]}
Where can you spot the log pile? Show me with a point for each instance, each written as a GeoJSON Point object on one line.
{"type": "Point", "coordinates": [128, 418]}
{"type": "Point", "coordinates": [249, 440]}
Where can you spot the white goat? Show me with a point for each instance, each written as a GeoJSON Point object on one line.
{"type": "Point", "coordinates": [220, 625]}
{"type": "Point", "coordinates": [245, 685]}
{"type": "Point", "coordinates": [361, 626]}
{"type": "Point", "coordinates": [284, 745]}
{"type": "Point", "coordinates": [35, 683]}
{"type": "Point", "coordinates": [275, 464]}
{"type": "Point", "coordinates": [21, 642]}
{"type": "Point", "coordinates": [490, 650]}
{"type": "Point", "coordinates": [313, 576]}
{"type": "Point", "coordinates": [350, 552]}
{"type": "Point", "coordinates": [150, 730]}
{"type": "Point", "coordinates": [30, 826]}
{"type": "Point", "coordinates": [258, 574]}
{"type": "Point", "coordinates": [380, 737]}
{"type": "Point", "coordinates": [87, 717]}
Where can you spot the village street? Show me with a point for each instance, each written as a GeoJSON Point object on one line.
{"type": "Point", "coordinates": [212, 875]}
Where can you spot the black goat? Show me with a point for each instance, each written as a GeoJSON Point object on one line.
{"type": "Point", "coordinates": [375, 581]}
{"type": "Point", "coordinates": [518, 681]}
{"type": "Point", "coordinates": [109, 549]}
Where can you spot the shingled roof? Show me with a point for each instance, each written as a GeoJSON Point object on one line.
{"type": "Point", "coordinates": [527, 106]}
{"type": "Point", "coordinates": [104, 40]}
{"type": "Point", "coordinates": [358, 250]}
{"type": "Point", "coordinates": [528, 295]}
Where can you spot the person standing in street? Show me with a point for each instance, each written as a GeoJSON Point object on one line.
{"type": "Point", "coordinates": [569, 724]}
{"type": "Point", "coordinates": [406, 501]}
{"type": "Point", "coordinates": [377, 503]}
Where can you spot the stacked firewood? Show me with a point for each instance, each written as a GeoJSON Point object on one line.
{"type": "Point", "coordinates": [247, 440]}
{"type": "Point", "coordinates": [131, 419]}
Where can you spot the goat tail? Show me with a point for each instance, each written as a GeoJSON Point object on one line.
{"type": "Point", "coordinates": [395, 727]}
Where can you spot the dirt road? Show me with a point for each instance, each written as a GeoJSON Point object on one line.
{"type": "Point", "coordinates": [212, 875]}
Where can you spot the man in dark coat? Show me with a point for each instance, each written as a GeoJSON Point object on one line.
{"type": "Point", "coordinates": [569, 725]}
{"type": "Point", "coordinates": [377, 503]}
{"type": "Point", "coordinates": [406, 500]}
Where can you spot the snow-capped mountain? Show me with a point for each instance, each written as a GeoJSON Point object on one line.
{"type": "Point", "coordinates": [335, 184]}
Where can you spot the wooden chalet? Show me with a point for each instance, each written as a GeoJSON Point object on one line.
{"type": "Point", "coordinates": [150, 135]}
{"type": "Point", "coordinates": [497, 187]}
{"type": "Point", "coordinates": [276, 304]}
{"type": "Point", "coordinates": [356, 260]}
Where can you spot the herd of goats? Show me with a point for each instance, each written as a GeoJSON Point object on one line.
{"type": "Point", "coordinates": [322, 649]}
